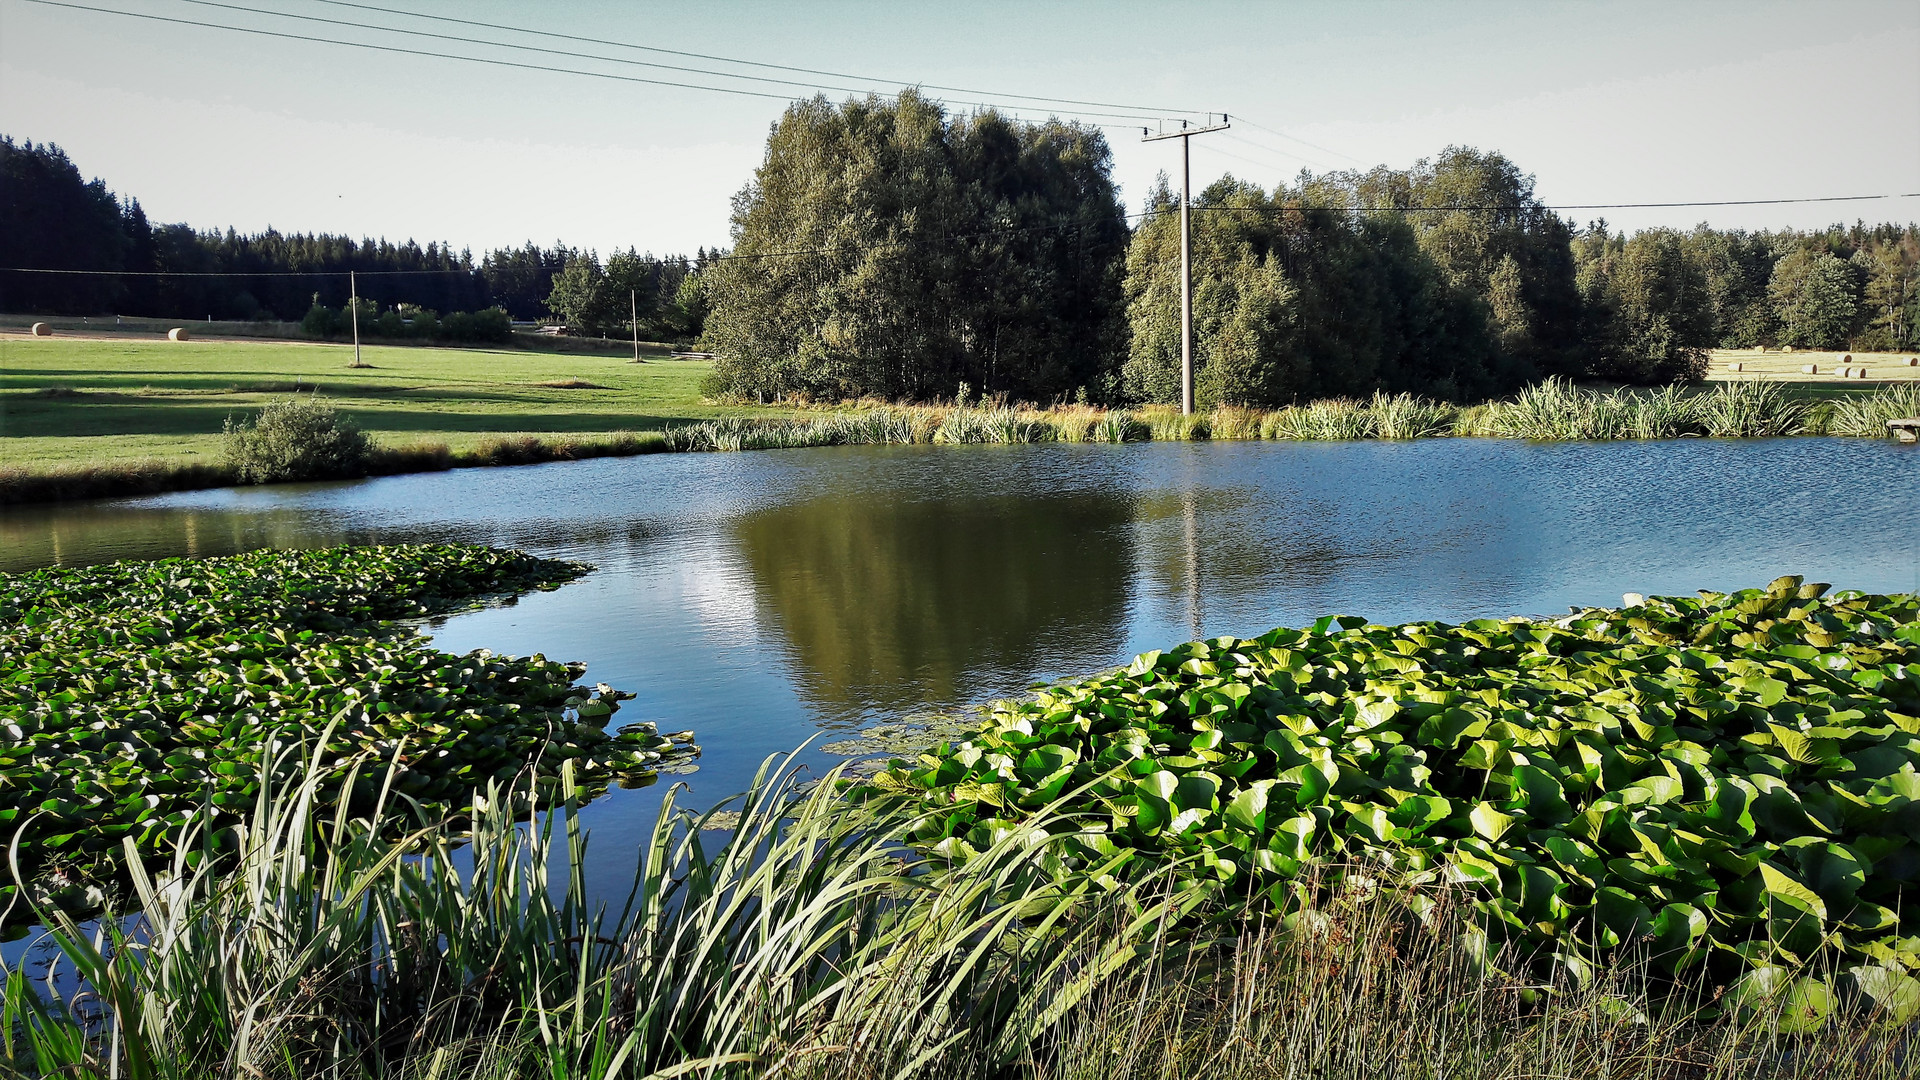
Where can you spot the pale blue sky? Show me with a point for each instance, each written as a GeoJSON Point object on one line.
{"type": "Point", "coordinates": [1603, 102]}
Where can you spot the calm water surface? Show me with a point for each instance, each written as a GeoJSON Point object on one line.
{"type": "Point", "coordinates": [762, 598]}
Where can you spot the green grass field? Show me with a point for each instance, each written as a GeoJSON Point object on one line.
{"type": "Point", "coordinates": [68, 400]}
{"type": "Point", "coordinates": [80, 401]}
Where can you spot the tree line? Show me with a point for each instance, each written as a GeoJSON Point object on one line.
{"type": "Point", "coordinates": [51, 217]}
{"type": "Point", "coordinates": [886, 247]}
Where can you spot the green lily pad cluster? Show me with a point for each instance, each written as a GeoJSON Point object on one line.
{"type": "Point", "coordinates": [137, 696]}
{"type": "Point", "coordinates": [1729, 779]}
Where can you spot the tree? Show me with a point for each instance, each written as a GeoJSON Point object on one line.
{"type": "Point", "coordinates": [1891, 296]}
{"type": "Point", "coordinates": [1294, 300]}
{"type": "Point", "coordinates": [1650, 319]}
{"type": "Point", "coordinates": [581, 298]}
{"type": "Point", "coordinates": [1476, 216]}
{"type": "Point", "coordinates": [886, 248]}
{"type": "Point", "coordinates": [1816, 296]}
{"type": "Point", "coordinates": [53, 218]}
{"type": "Point", "coordinates": [1736, 266]}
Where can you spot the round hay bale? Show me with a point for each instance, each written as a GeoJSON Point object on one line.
{"type": "Point", "coordinates": [1786, 348]}
{"type": "Point", "coordinates": [41, 329]}
{"type": "Point", "coordinates": [1736, 366]}
{"type": "Point", "coordinates": [1847, 359]}
{"type": "Point", "coordinates": [1809, 369]}
{"type": "Point", "coordinates": [1913, 361]}
{"type": "Point", "coordinates": [178, 333]}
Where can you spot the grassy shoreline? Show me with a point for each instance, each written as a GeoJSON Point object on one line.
{"type": "Point", "coordinates": [89, 418]}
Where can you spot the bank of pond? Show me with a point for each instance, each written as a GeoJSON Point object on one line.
{"type": "Point", "coordinates": [1670, 839]}
{"type": "Point", "coordinates": [1554, 410]}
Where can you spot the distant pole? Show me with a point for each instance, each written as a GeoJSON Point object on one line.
{"type": "Point", "coordinates": [1185, 135]}
{"type": "Point", "coordinates": [633, 301]}
{"type": "Point", "coordinates": [353, 292]}
{"type": "Point", "coordinates": [1186, 277]}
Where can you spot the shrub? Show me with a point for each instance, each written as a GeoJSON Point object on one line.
{"type": "Point", "coordinates": [296, 439]}
{"type": "Point", "coordinates": [321, 322]}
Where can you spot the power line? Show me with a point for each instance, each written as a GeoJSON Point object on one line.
{"type": "Point", "coordinates": [746, 63]}
{"type": "Point", "coordinates": [1295, 138]}
{"type": "Point", "coordinates": [1275, 150]}
{"type": "Point", "coordinates": [1012, 111]}
{"type": "Point", "coordinates": [409, 52]}
{"type": "Point", "coordinates": [588, 56]}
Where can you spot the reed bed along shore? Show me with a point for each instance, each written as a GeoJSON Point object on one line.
{"type": "Point", "coordinates": [804, 939]}
{"type": "Point", "coordinates": [1555, 410]}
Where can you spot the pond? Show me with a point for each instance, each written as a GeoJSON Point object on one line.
{"type": "Point", "coordinates": [764, 598]}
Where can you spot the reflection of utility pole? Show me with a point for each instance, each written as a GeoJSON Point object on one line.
{"type": "Point", "coordinates": [1190, 532]}
{"type": "Point", "coordinates": [353, 293]}
{"type": "Point", "coordinates": [1185, 135]}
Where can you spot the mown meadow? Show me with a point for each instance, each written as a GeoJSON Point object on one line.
{"type": "Point", "coordinates": [1669, 840]}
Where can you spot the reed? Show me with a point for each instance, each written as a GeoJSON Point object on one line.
{"type": "Point", "coordinates": [1334, 419]}
{"type": "Point", "coordinates": [805, 939]}
{"type": "Point", "coordinates": [1165, 423]}
{"type": "Point", "coordinates": [1233, 422]}
{"type": "Point", "coordinates": [1404, 416]}
{"type": "Point", "coordinates": [1747, 410]}
{"type": "Point", "coordinates": [1118, 426]}
{"type": "Point", "coordinates": [1867, 415]}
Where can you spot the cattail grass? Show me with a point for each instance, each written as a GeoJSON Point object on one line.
{"type": "Point", "coordinates": [1330, 420]}
{"type": "Point", "coordinates": [1167, 424]}
{"type": "Point", "coordinates": [1750, 410]}
{"type": "Point", "coordinates": [1404, 416]}
{"type": "Point", "coordinates": [1866, 415]}
{"type": "Point", "coordinates": [791, 932]}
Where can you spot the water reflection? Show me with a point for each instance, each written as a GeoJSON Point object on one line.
{"type": "Point", "coordinates": [892, 604]}
{"type": "Point", "coordinates": [102, 532]}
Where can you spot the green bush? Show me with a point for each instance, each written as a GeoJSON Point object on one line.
{"type": "Point", "coordinates": [296, 439]}
{"type": "Point", "coordinates": [322, 322]}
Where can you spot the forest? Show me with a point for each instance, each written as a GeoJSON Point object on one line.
{"type": "Point", "coordinates": [52, 218]}
{"type": "Point", "coordinates": [887, 247]}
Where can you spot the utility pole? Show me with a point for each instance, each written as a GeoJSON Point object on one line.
{"type": "Point", "coordinates": [1185, 134]}
{"type": "Point", "coordinates": [633, 301]}
{"type": "Point", "coordinates": [353, 291]}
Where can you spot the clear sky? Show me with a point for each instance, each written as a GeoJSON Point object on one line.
{"type": "Point", "coordinates": [1602, 102]}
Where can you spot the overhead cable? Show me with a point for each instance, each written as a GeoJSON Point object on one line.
{"type": "Point", "coordinates": [596, 56]}
{"type": "Point", "coordinates": [750, 63]}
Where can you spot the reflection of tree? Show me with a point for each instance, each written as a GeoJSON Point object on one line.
{"type": "Point", "coordinates": [902, 604]}
{"type": "Point", "coordinates": [81, 535]}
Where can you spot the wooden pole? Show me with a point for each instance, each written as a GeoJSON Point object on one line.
{"type": "Point", "coordinates": [633, 302]}
{"type": "Point", "coordinates": [1185, 134]}
{"type": "Point", "coordinates": [1186, 277]}
{"type": "Point", "coordinates": [353, 292]}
